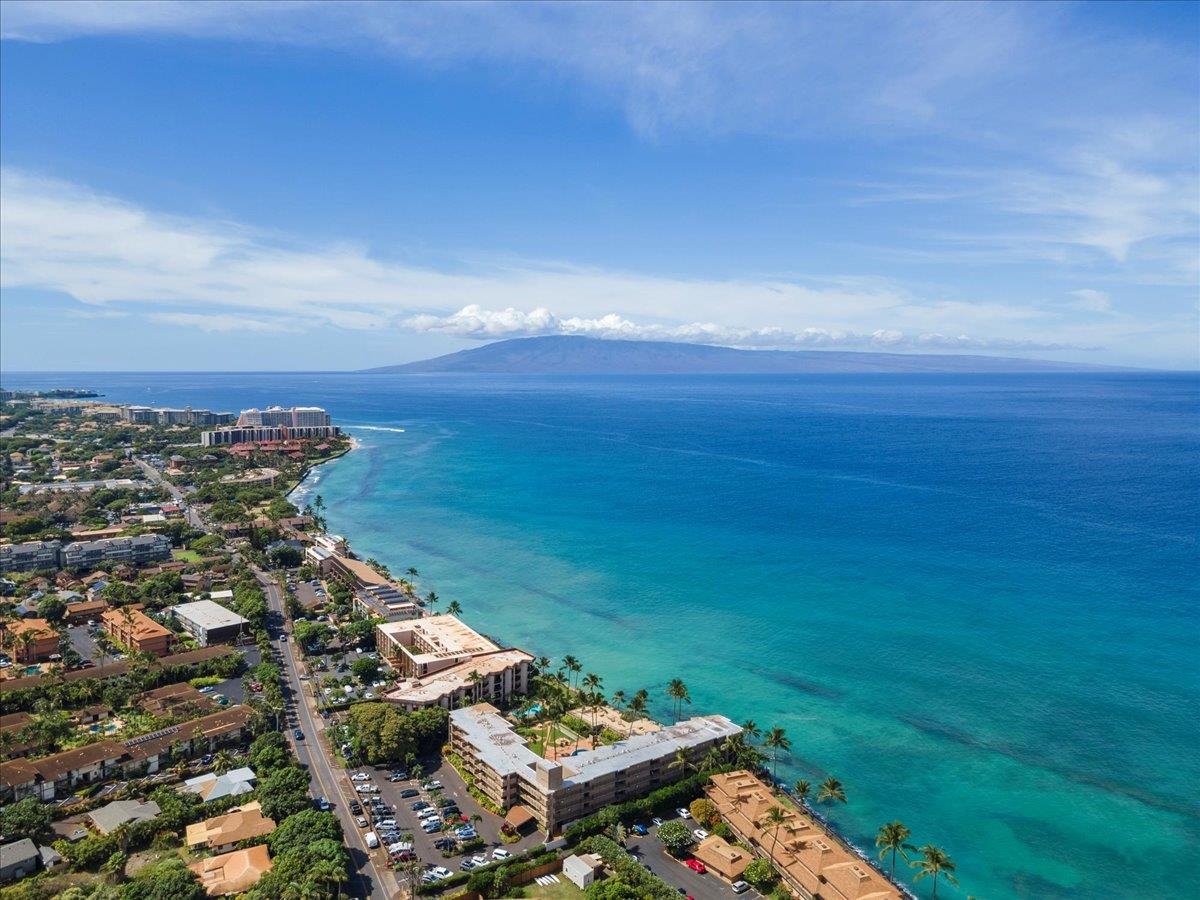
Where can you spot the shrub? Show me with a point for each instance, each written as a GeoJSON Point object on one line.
{"type": "Point", "coordinates": [760, 873]}
{"type": "Point", "coordinates": [675, 837]}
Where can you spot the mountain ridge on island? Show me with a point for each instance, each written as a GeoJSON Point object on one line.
{"type": "Point", "coordinates": [577, 355]}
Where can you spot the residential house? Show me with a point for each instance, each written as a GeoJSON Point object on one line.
{"type": "Point", "coordinates": [18, 859]}
{"type": "Point", "coordinates": [222, 833]}
{"type": "Point", "coordinates": [211, 786]}
{"type": "Point", "coordinates": [233, 873]}
{"type": "Point", "coordinates": [110, 817]}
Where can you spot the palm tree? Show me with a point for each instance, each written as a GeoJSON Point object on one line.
{"type": "Point", "coordinates": [751, 730]}
{"type": "Point", "coordinates": [681, 761]}
{"type": "Point", "coordinates": [678, 692]}
{"type": "Point", "coordinates": [639, 702]}
{"type": "Point", "coordinates": [454, 609]}
{"type": "Point", "coordinates": [775, 818]}
{"type": "Point", "coordinates": [802, 789]}
{"type": "Point", "coordinates": [893, 838]}
{"type": "Point", "coordinates": [413, 573]}
{"type": "Point", "coordinates": [431, 598]}
{"type": "Point", "coordinates": [775, 741]}
{"type": "Point", "coordinates": [618, 700]}
{"type": "Point", "coordinates": [543, 663]}
{"type": "Point", "coordinates": [593, 682]}
{"type": "Point", "coordinates": [475, 679]}
{"type": "Point", "coordinates": [223, 761]}
{"type": "Point", "coordinates": [934, 861]}
{"type": "Point", "coordinates": [831, 791]}
{"type": "Point", "coordinates": [574, 667]}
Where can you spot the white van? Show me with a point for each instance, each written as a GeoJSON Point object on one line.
{"type": "Point", "coordinates": [372, 840]}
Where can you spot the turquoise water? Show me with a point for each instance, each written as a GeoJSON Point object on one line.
{"type": "Point", "coordinates": [973, 600]}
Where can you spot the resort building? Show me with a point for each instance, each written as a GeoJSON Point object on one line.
{"type": "Point", "coordinates": [222, 833]}
{"type": "Point", "coordinates": [31, 640]}
{"type": "Point", "coordinates": [260, 434]}
{"type": "Point", "coordinates": [354, 571]}
{"type": "Point", "coordinates": [135, 630]}
{"type": "Point", "coordinates": [30, 556]}
{"type": "Point", "coordinates": [720, 856]}
{"type": "Point", "coordinates": [557, 793]}
{"type": "Point", "coordinates": [291, 417]}
{"type": "Point", "coordinates": [385, 601]}
{"type": "Point", "coordinates": [233, 873]}
{"type": "Point", "coordinates": [443, 662]}
{"type": "Point", "coordinates": [811, 860]}
{"type": "Point", "coordinates": [209, 622]}
{"type": "Point", "coordinates": [146, 415]}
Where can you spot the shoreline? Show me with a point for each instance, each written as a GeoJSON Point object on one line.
{"type": "Point", "coordinates": [355, 444]}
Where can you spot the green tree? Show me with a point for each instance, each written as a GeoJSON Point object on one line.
{"type": "Point", "coordinates": [892, 839]}
{"type": "Point", "coordinates": [705, 812]}
{"type": "Point", "coordinates": [302, 829]}
{"type": "Point", "coordinates": [675, 837]}
{"type": "Point", "coordinates": [454, 609]}
{"type": "Point", "coordinates": [802, 789]}
{"type": "Point", "coordinates": [283, 793]}
{"type": "Point", "coordinates": [775, 741]}
{"type": "Point", "coordinates": [52, 608]}
{"type": "Point", "coordinates": [934, 862]}
{"type": "Point", "coordinates": [679, 695]}
{"type": "Point", "coordinates": [760, 873]}
{"type": "Point", "coordinates": [26, 818]}
{"type": "Point", "coordinates": [365, 669]}
{"type": "Point", "coordinates": [167, 880]}
{"type": "Point", "coordinates": [831, 791]}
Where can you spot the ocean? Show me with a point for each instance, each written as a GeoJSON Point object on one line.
{"type": "Point", "coordinates": [973, 599]}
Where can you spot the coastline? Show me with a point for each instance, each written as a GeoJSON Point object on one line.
{"type": "Point", "coordinates": [355, 444]}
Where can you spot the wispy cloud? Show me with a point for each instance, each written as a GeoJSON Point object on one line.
{"type": "Point", "coordinates": [224, 277]}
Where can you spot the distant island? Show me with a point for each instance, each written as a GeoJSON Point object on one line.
{"type": "Point", "coordinates": [565, 354]}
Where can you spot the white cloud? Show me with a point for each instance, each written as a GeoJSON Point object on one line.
{"type": "Point", "coordinates": [1091, 300]}
{"type": "Point", "coordinates": [224, 277]}
{"type": "Point", "coordinates": [481, 324]}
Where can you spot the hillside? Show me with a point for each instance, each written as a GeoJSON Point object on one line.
{"type": "Point", "coordinates": [582, 355]}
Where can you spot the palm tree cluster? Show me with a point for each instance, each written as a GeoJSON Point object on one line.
{"type": "Point", "coordinates": [932, 862]}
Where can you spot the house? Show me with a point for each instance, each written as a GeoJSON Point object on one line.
{"type": "Point", "coordinates": [32, 640]}
{"type": "Point", "coordinates": [209, 622]}
{"type": "Point", "coordinates": [12, 728]}
{"type": "Point", "coordinates": [581, 870]}
{"type": "Point", "coordinates": [112, 816]}
{"type": "Point", "coordinates": [18, 859]}
{"type": "Point", "coordinates": [90, 715]}
{"type": "Point", "coordinates": [134, 629]}
{"type": "Point", "coordinates": [211, 786]}
{"type": "Point", "coordinates": [233, 873]}
{"type": "Point", "coordinates": [221, 834]}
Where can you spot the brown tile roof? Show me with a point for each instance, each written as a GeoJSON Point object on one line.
{"type": "Point", "coordinates": [137, 623]}
{"type": "Point", "coordinates": [239, 824]}
{"type": "Point", "coordinates": [59, 765]}
{"type": "Point", "coordinates": [232, 873]}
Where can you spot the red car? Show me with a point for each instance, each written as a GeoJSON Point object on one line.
{"type": "Point", "coordinates": [696, 866]}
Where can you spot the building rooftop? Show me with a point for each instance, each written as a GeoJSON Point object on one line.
{"type": "Point", "coordinates": [431, 688]}
{"type": "Point", "coordinates": [239, 824]}
{"type": "Point", "coordinates": [109, 818]}
{"type": "Point", "coordinates": [446, 636]}
{"type": "Point", "coordinates": [208, 615]}
{"type": "Point", "coordinates": [232, 873]}
{"type": "Point", "coordinates": [506, 752]}
{"type": "Point", "coordinates": [211, 786]}
{"type": "Point", "coordinates": [142, 627]}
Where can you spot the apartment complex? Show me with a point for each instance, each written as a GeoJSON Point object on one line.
{"type": "Point", "coordinates": [444, 662]}
{"type": "Point", "coordinates": [559, 792]}
{"type": "Point", "coordinates": [147, 415]}
{"type": "Point", "coordinates": [30, 556]}
{"type": "Point", "coordinates": [275, 423]}
{"type": "Point", "coordinates": [288, 417]}
{"type": "Point", "coordinates": [135, 551]}
{"type": "Point", "coordinates": [61, 773]}
{"type": "Point", "coordinates": [31, 640]}
{"type": "Point", "coordinates": [209, 622]}
{"type": "Point", "coordinates": [134, 629]}
{"type": "Point", "coordinates": [812, 862]}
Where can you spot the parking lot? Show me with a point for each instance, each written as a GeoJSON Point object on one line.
{"type": "Point", "coordinates": [650, 851]}
{"type": "Point", "coordinates": [408, 824]}
{"type": "Point", "coordinates": [83, 642]}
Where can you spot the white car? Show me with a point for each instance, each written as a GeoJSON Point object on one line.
{"type": "Point", "coordinates": [500, 853]}
{"type": "Point", "coordinates": [699, 834]}
{"type": "Point", "coordinates": [360, 776]}
{"type": "Point", "coordinates": [479, 859]}
{"type": "Point", "coordinates": [683, 813]}
{"type": "Point", "coordinates": [740, 887]}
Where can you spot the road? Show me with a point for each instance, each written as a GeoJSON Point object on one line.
{"type": "Point", "coordinates": [367, 879]}
{"type": "Point", "coordinates": [193, 517]}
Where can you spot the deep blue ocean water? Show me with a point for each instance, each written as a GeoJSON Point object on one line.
{"type": "Point", "coordinates": [974, 599]}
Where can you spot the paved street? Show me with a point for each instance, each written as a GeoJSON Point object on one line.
{"type": "Point", "coordinates": [709, 886]}
{"type": "Point", "coordinates": [193, 517]}
{"type": "Point", "coordinates": [368, 876]}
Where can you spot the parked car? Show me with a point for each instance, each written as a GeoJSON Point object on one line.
{"type": "Point", "coordinates": [431, 827]}
{"type": "Point", "coordinates": [360, 821]}
{"type": "Point", "coordinates": [640, 830]}
{"type": "Point", "coordinates": [372, 840]}
{"type": "Point", "coordinates": [467, 865]}
{"type": "Point", "coordinates": [683, 813]}
{"type": "Point", "coordinates": [500, 853]}
{"type": "Point", "coordinates": [323, 805]}
{"type": "Point", "coordinates": [386, 823]}
{"type": "Point", "coordinates": [696, 866]}
{"type": "Point", "coordinates": [656, 821]}
{"type": "Point", "coordinates": [410, 792]}
{"type": "Point", "coordinates": [360, 776]}
{"type": "Point", "coordinates": [444, 802]}
{"type": "Point", "coordinates": [298, 734]}
{"type": "Point", "coordinates": [740, 887]}
{"type": "Point", "coordinates": [355, 807]}
{"type": "Point", "coordinates": [419, 805]}
{"type": "Point", "coordinates": [699, 834]}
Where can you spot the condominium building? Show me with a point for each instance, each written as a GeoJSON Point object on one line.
{"type": "Point", "coordinates": [134, 629]}
{"type": "Point", "coordinates": [812, 861]}
{"type": "Point", "coordinates": [30, 556]}
{"type": "Point", "coordinates": [146, 415]}
{"type": "Point", "coordinates": [385, 601]}
{"type": "Point", "coordinates": [209, 622]}
{"type": "Point", "coordinates": [31, 640]}
{"type": "Point", "coordinates": [144, 548]}
{"type": "Point", "coordinates": [289, 417]}
{"type": "Point", "coordinates": [241, 434]}
{"type": "Point", "coordinates": [559, 792]}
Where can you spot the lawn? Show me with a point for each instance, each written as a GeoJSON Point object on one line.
{"type": "Point", "coordinates": [564, 890]}
{"type": "Point", "coordinates": [189, 556]}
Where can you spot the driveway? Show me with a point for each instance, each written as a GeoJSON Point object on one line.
{"type": "Point", "coordinates": [650, 851]}
{"type": "Point", "coordinates": [83, 642]}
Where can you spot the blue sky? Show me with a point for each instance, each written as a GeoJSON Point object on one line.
{"type": "Point", "coordinates": [295, 185]}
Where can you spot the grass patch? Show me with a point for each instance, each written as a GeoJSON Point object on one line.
{"type": "Point", "coordinates": [188, 556]}
{"type": "Point", "coordinates": [564, 890]}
